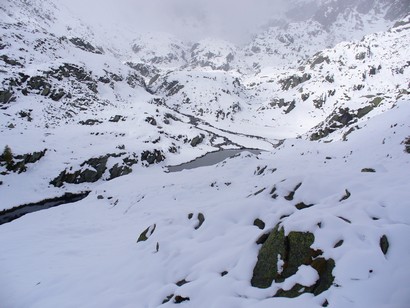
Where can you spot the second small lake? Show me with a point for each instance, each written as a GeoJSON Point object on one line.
{"type": "Point", "coordinates": [210, 159]}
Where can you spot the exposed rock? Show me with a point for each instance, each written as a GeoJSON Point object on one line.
{"type": "Point", "coordinates": [361, 56]}
{"type": "Point", "coordinates": [291, 107]}
{"type": "Point", "coordinates": [181, 282]}
{"type": "Point", "coordinates": [330, 78]}
{"type": "Point", "coordinates": [259, 223]}
{"type": "Point", "coordinates": [376, 101]}
{"type": "Point", "coordinates": [361, 112]}
{"type": "Point", "coordinates": [86, 46]}
{"type": "Point", "coordinates": [168, 298]}
{"type": "Point", "coordinates": [32, 158]}
{"type": "Point", "coordinates": [338, 119]}
{"type": "Point", "coordinates": [294, 81]}
{"type": "Point", "coordinates": [119, 170]}
{"type": "Point", "coordinates": [318, 102]}
{"type": "Point", "coordinates": [324, 268]}
{"type": "Point", "coordinates": [97, 170]}
{"type": "Point", "coordinates": [305, 96]}
{"type": "Point", "coordinates": [384, 244]}
{"type": "Point", "coordinates": [146, 233]}
{"type": "Point", "coordinates": [151, 157]}
{"type": "Point", "coordinates": [151, 120]}
{"type": "Point", "coordinates": [290, 196]}
{"type": "Point", "coordinates": [116, 118]}
{"type": "Point", "coordinates": [104, 79]}
{"type": "Point", "coordinates": [406, 143]}
{"type": "Point", "coordinates": [145, 70]}
{"type": "Point", "coordinates": [18, 163]}
{"type": "Point", "coordinates": [344, 117]}
{"type": "Point", "coordinates": [293, 250]}
{"type": "Point", "coordinates": [92, 170]}
{"type": "Point", "coordinates": [346, 196]}
{"type": "Point", "coordinates": [134, 80]}
{"type": "Point", "coordinates": [295, 291]}
{"type": "Point", "coordinates": [7, 96]}
{"type": "Point", "coordinates": [90, 122]}
{"type": "Point", "coordinates": [266, 269]}
{"type": "Point", "coordinates": [298, 252]}
{"type": "Point", "coordinates": [57, 95]}
{"type": "Point", "coordinates": [38, 83]}
{"type": "Point", "coordinates": [260, 170]}
{"type": "Point", "coordinates": [262, 239]}
{"type": "Point", "coordinates": [368, 170]}
{"type": "Point", "coordinates": [197, 140]}
{"type": "Point", "coordinates": [45, 92]}
{"type": "Point", "coordinates": [302, 205]}
{"type": "Point", "coordinates": [179, 299]}
{"type": "Point", "coordinates": [319, 59]}
{"type": "Point", "coordinates": [10, 61]}
{"type": "Point", "coordinates": [201, 219]}
{"type": "Point", "coordinates": [172, 88]}
{"type": "Point", "coordinates": [273, 193]}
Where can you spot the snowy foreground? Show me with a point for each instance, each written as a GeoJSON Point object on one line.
{"type": "Point", "coordinates": [86, 254]}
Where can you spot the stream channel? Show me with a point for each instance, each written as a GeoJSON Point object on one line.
{"type": "Point", "coordinates": [18, 211]}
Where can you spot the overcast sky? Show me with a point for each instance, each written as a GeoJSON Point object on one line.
{"type": "Point", "coordinates": [193, 19]}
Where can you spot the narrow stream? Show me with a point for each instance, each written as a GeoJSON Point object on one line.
{"type": "Point", "coordinates": [210, 159]}
{"type": "Point", "coordinates": [18, 211]}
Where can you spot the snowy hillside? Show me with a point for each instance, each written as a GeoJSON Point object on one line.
{"type": "Point", "coordinates": [110, 195]}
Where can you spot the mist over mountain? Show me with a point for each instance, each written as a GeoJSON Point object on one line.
{"type": "Point", "coordinates": [232, 20]}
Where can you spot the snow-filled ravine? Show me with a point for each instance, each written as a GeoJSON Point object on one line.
{"type": "Point", "coordinates": [153, 238]}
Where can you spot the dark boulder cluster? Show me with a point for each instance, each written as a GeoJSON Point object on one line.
{"type": "Point", "coordinates": [6, 97]}
{"type": "Point", "coordinates": [292, 251]}
{"type": "Point", "coordinates": [94, 169]}
{"type": "Point", "coordinates": [294, 81]}
{"type": "Point", "coordinates": [152, 157]}
{"type": "Point", "coordinates": [18, 163]}
{"type": "Point", "coordinates": [197, 140]}
{"type": "Point", "coordinates": [86, 46]}
{"type": "Point", "coordinates": [338, 119]}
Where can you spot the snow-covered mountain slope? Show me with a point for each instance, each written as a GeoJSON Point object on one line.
{"type": "Point", "coordinates": [91, 116]}
{"type": "Point", "coordinates": [200, 244]}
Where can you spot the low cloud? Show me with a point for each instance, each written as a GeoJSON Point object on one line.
{"type": "Point", "coordinates": [234, 20]}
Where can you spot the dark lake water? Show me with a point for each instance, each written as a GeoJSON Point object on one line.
{"type": "Point", "coordinates": [210, 159]}
{"type": "Point", "coordinates": [18, 211]}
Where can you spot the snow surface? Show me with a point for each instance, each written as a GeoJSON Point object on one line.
{"type": "Point", "coordinates": [86, 254]}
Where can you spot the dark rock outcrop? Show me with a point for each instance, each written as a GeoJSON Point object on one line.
{"type": "Point", "coordinates": [259, 223]}
{"type": "Point", "coordinates": [384, 244]}
{"type": "Point", "coordinates": [197, 140]}
{"type": "Point", "coordinates": [18, 163]}
{"type": "Point", "coordinates": [93, 170]}
{"type": "Point", "coordinates": [86, 46]}
{"type": "Point", "coordinates": [294, 81]}
{"type": "Point", "coordinates": [293, 251]}
{"type": "Point", "coordinates": [152, 157]}
{"type": "Point", "coordinates": [7, 96]}
{"type": "Point", "coordinates": [146, 233]}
